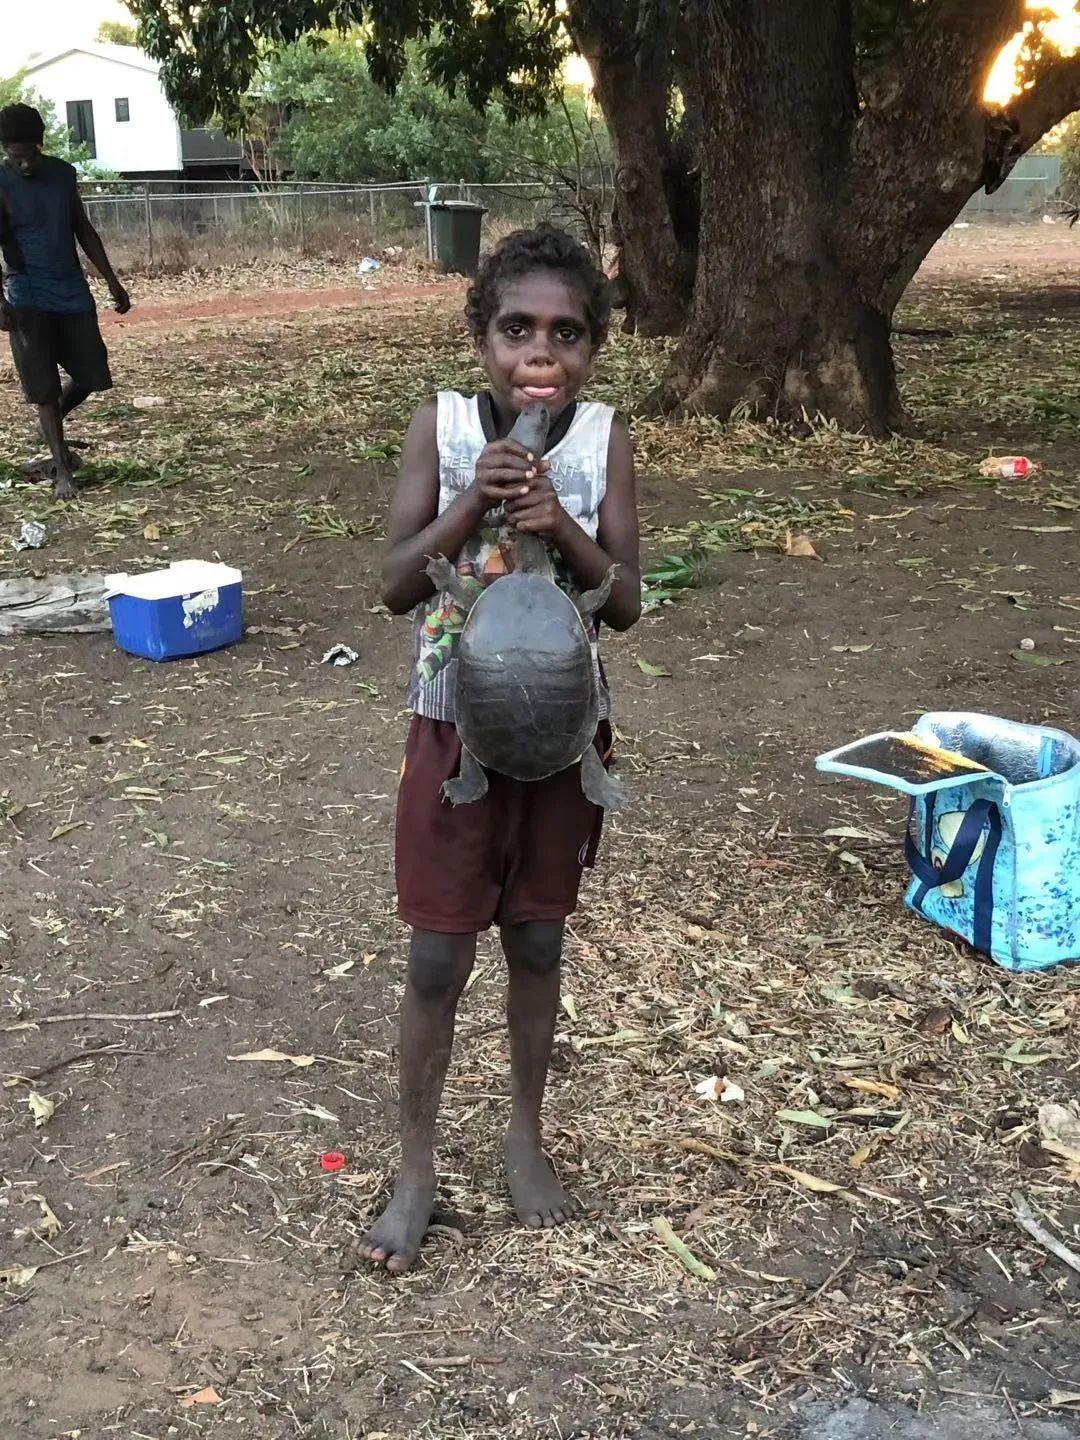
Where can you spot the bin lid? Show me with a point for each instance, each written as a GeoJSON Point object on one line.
{"type": "Point", "coordinates": [182, 577]}
{"type": "Point", "coordinates": [457, 205]}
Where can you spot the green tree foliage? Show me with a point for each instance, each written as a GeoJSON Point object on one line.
{"type": "Point", "coordinates": [1066, 143]}
{"type": "Point", "coordinates": [115, 32]}
{"type": "Point", "coordinates": [340, 125]}
{"type": "Point", "coordinates": [211, 55]}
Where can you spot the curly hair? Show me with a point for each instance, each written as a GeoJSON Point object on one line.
{"type": "Point", "coordinates": [21, 125]}
{"type": "Point", "coordinates": [522, 253]}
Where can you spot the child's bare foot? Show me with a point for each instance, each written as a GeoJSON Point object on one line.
{"type": "Point", "coordinates": [394, 1239]}
{"type": "Point", "coordinates": [539, 1199]}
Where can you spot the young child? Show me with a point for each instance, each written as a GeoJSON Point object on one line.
{"type": "Point", "coordinates": [538, 311]}
{"type": "Point", "coordinates": [45, 302]}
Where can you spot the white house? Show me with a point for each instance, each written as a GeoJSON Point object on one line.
{"type": "Point", "coordinates": [111, 99]}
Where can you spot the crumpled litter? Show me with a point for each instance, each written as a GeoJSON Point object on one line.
{"type": "Point", "coordinates": [31, 536]}
{"type": "Point", "coordinates": [340, 655]}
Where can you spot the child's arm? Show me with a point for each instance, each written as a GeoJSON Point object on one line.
{"type": "Point", "coordinates": [417, 532]}
{"type": "Point", "coordinates": [94, 250]}
{"type": "Point", "coordinates": [540, 513]}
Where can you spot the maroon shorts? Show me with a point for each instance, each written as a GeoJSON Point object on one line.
{"type": "Point", "coordinates": [515, 856]}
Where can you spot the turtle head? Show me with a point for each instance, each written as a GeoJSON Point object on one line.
{"type": "Point", "coordinates": [531, 428]}
{"type": "Point", "coordinates": [531, 555]}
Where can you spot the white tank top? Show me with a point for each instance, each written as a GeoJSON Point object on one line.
{"type": "Point", "coordinates": [578, 476]}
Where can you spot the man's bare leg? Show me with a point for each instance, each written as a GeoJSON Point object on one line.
{"type": "Point", "coordinates": [439, 966]}
{"type": "Point", "coordinates": [52, 427]}
{"type": "Point", "coordinates": [71, 396]}
{"type": "Point", "coordinates": [43, 466]}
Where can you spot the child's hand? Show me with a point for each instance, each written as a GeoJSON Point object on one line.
{"type": "Point", "coordinates": [504, 471]}
{"type": "Point", "coordinates": [538, 511]}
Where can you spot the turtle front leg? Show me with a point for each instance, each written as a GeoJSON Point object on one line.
{"type": "Point", "coordinates": [600, 787]}
{"type": "Point", "coordinates": [594, 600]}
{"type": "Point", "coordinates": [470, 784]}
{"type": "Point", "coordinates": [447, 580]}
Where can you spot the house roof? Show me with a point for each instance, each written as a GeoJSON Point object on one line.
{"type": "Point", "coordinates": [113, 54]}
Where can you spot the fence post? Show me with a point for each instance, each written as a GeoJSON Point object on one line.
{"type": "Point", "coordinates": [149, 224]}
{"type": "Point", "coordinates": [300, 212]}
{"type": "Point", "coordinates": [371, 205]}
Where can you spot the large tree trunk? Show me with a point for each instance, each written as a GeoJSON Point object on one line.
{"type": "Point", "coordinates": [818, 205]}
{"type": "Point", "coordinates": [654, 238]}
{"type": "Point", "coordinates": [775, 325]}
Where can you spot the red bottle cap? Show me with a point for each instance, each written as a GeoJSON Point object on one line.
{"type": "Point", "coordinates": [332, 1161]}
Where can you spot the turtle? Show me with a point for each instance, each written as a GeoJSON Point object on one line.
{"type": "Point", "coordinates": [526, 696]}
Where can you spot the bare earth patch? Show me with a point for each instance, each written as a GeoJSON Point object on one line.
{"type": "Point", "coordinates": [196, 865]}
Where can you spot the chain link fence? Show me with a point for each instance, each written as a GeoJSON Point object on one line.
{"type": "Point", "coordinates": [165, 226]}
{"type": "Point", "coordinates": [1031, 190]}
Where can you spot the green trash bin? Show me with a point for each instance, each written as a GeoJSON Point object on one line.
{"type": "Point", "coordinates": [455, 234]}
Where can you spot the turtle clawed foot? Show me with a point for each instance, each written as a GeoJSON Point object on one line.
{"type": "Point", "coordinates": [470, 784]}
{"type": "Point", "coordinates": [600, 787]}
{"type": "Point", "coordinates": [440, 572]}
{"type": "Point", "coordinates": [447, 581]}
{"type": "Point", "coordinates": [594, 600]}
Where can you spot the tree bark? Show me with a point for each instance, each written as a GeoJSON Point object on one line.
{"type": "Point", "coordinates": [818, 205]}
{"type": "Point", "coordinates": [656, 266]}
{"type": "Point", "coordinates": [775, 326]}
{"type": "Point", "coordinates": [804, 187]}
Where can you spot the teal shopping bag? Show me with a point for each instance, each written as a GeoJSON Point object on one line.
{"type": "Point", "coordinates": [994, 853]}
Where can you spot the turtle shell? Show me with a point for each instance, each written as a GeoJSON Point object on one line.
{"type": "Point", "coordinates": [526, 699]}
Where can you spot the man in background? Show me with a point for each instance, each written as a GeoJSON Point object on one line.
{"type": "Point", "coordinates": [45, 301]}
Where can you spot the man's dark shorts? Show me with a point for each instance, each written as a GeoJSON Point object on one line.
{"type": "Point", "coordinates": [513, 857]}
{"type": "Point", "coordinates": [44, 341]}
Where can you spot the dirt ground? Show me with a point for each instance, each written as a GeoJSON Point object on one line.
{"type": "Point", "coordinates": [196, 867]}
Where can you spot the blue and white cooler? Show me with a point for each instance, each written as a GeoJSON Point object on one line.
{"type": "Point", "coordinates": [190, 608]}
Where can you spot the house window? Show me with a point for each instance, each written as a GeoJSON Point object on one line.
{"type": "Point", "coordinates": [80, 121]}
{"type": "Point", "coordinates": [123, 110]}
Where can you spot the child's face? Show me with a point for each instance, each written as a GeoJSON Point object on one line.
{"type": "Point", "coordinates": [537, 346]}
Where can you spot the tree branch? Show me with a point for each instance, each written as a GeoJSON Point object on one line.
{"type": "Point", "coordinates": [926, 141]}
{"type": "Point", "coordinates": [1055, 94]}
{"type": "Point", "coordinates": [949, 49]}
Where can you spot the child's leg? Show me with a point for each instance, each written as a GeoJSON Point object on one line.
{"type": "Point", "coordinates": [533, 956]}
{"type": "Point", "coordinates": [439, 966]}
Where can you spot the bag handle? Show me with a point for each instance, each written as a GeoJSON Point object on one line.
{"type": "Point", "coordinates": [975, 821]}
{"type": "Point", "coordinates": [981, 815]}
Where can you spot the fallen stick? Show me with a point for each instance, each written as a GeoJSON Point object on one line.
{"type": "Point", "coordinates": [59, 1260]}
{"type": "Point", "coordinates": [801, 1304]}
{"type": "Point", "coordinates": [1025, 1218]}
{"type": "Point", "coordinates": [35, 1075]}
{"type": "Point", "coordinates": [458, 1362]}
{"type": "Point", "coordinates": [90, 1015]}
